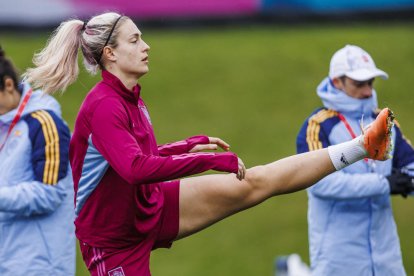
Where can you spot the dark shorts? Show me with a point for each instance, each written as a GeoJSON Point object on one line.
{"type": "Point", "coordinates": [135, 260]}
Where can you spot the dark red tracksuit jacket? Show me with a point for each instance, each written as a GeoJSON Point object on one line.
{"type": "Point", "coordinates": [117, 165]}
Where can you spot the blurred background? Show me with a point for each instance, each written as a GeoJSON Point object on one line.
{"type": "Point", "coordinates": [245, 71]}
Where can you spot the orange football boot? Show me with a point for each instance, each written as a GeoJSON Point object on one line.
{"type": "Point", "coordinates": [377, 136]}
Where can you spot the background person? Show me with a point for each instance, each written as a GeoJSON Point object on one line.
{"type": "Point", "coordinates": [127, 199]}
{"type": "Point", "coordinates": [36, 190]}
{"type": "Point", "coordinates": [351, 226]}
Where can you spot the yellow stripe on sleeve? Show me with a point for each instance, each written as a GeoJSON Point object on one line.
{"type": "Point", "coordinates": [314, 127]}
{"type": "Point", "coordinates": [55, 142]}
{"type": "Point", "coordinates": [47, 146]}
{"type": "Point", "coordinates": [52, 154]}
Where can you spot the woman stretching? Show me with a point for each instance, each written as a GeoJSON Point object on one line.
{"type": "Point", "coordinates": [128, 199]}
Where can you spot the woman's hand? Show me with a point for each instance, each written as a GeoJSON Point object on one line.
{"type": "Point", "coordinates": [241, 173]}
{"type": "Point", "coordinates": [214, 143]}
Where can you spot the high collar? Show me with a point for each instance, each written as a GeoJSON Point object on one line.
{"type": "Point", "coordinates": [335, 99]}
{"type": "Point", "coordinates": [130, 95]}
{"type": "Point", "coordinates": [38, 101]}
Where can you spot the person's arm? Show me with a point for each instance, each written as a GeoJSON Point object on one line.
{"type": "Point", "coordinates": [193, 144]}
{"type": "Point", "coordinates": [403, 155]}
{"type": "Point", "coordinates": [112, 138]}
{"type": "Point", "coordinates": [50, 143]}
{"type": "Point", "coordinates": [183, 146]}
{"type": "Point", "coordinates": [32, 198]}
{"type": "Point", "coordinates": [403, 162]}
{"type": "Point", "coordinates": [339, 185]}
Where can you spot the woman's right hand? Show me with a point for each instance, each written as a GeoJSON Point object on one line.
{"type": "Point", "coordinates": [241, 172]}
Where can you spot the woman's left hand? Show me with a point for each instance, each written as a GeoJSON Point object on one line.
{"type": "Point", "coordinates": [214, 143]}
{"type": "Point", "coordinates": [241, 172]}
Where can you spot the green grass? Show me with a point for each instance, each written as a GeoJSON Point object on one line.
{"type": "Point", "coordinates": [253, 87]}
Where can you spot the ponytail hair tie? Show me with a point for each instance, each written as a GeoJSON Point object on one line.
{"type": "Point", "coordinates": [84, 26]}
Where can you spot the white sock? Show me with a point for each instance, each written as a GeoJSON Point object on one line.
{"type": "Point", "coordinates": [345, 154]}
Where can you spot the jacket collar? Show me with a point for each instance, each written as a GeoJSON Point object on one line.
{"type": "Point", "coordinates": [113, 81]}
{"type": "Point", "coordinates": [38, 101]}
{"type": "Point", "coordinates": [337, 100]}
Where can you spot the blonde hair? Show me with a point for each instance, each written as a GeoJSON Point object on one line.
{"type": "Point", "coordinates": [56, 66]}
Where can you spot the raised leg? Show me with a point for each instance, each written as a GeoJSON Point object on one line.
{"type": "Point", "coordinates": [207, 199]}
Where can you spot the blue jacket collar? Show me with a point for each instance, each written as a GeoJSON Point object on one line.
{"type": "Point", "coordinates": [336, 99]}
{"type": "Point", "coordinates": [38, 101]}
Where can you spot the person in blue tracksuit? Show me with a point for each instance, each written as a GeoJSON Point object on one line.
{"type": "Point", "coordinates": [351, 226]}
{"type": "Point", "coordinates": [36, 190]}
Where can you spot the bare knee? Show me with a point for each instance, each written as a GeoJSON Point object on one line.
{"type": "Point", "coordinates": [247, 191]}
{"type": "Point", "coordinates": [258, 183]}
{"type": "Point", "coordinates": [267, 182]}
{"type": "Point", "coordinates": [256, 177]}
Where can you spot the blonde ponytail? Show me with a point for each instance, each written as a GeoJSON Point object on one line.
{"type": "Point", "coordinates": [57, 64]}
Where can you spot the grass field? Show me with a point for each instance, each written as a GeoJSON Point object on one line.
{"type": "Point", "coordinates": [252, 86]}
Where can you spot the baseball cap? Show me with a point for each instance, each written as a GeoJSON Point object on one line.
{"type": "Point", "coordinates": [355, 63]}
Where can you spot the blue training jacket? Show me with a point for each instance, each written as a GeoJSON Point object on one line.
{"type": "Point", "coordinates": [351, 227]}
{"type": "Point", "coordinates": [36, 192]}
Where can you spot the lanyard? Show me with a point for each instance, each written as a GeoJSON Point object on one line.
{"type": "Point", "coordinates": [349, 128]}
{"type": "Point", "coordinates": [17, 116]}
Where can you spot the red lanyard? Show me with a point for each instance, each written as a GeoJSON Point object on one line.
{"type": "Point", "coordinates": [17, 116]}
{"type": "Point", "coordinates": [349, 128]}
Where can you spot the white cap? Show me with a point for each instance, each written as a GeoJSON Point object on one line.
{"type": "Point", "coordinates": [355, 63]}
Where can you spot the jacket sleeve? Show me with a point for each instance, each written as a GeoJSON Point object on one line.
{"type": "Point", "coordinates": [111, 135]}
{"type": "Point", "coordinates": [32, 198]}
{"type": "Point", "coordinates": [404, 152]}
{"type": "Point", "coordinates": [183, 146]}
{"type": "Point", "coordinates": [338, 185]}
{"type": "Point", "coordinates": [49, 137]}
{"type": "Point", "coordinates": [341, 185]}
{"type": "Point", "coordinates": [311, 136]}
